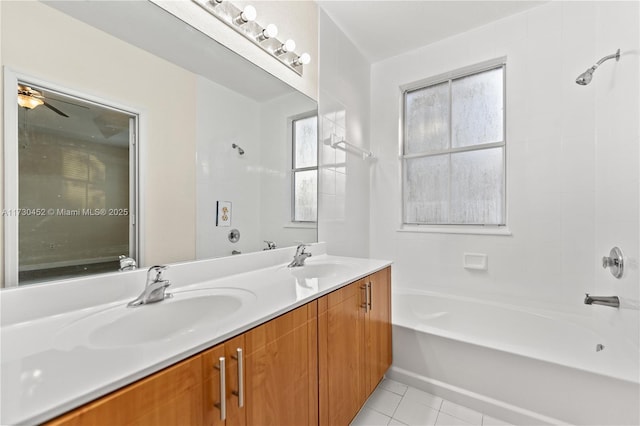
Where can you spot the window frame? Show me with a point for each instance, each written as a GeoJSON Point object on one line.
{"type": "Point", "coordinates": [448, 77]}
{"type": "Point", "coordinates": [292, 181]}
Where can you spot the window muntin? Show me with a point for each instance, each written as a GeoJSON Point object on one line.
{"type": "Point", "coordinates": [454, 150]}
{"type": "Point", "coordinates": [304, 171]}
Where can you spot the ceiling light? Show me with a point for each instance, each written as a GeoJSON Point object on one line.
{"type": "Point", "coordinates": [27, 101]}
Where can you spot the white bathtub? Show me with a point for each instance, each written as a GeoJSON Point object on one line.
{"type": "Point", "coordinates": [527, 366]}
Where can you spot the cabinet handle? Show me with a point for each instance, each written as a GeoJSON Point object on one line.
{"type": "Point", "coordinates": [222, 405]}
{"type": "Point", "coordinates": [370, 298]}
{"type": "Point", "coordinates": [240, 392]}
{"type": "Point", "coordinates": [365, 305]}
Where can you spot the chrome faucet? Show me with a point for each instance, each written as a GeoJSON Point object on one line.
{"type": "Point", "coordinates": [127, 263]}
{"type": "Point", "coordinates": [612, 301]}
{"type": "Point", "coordinates": [271, 245]}
{"type": "Point", "coordinates": [299, 257]}
{"type": "Point", "coordinates": [155, 289]}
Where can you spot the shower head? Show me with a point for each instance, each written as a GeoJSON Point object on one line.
{"type": "Point", "coordinates": [240, 150]}
{"type": "Point", "coordinates": [585, 78]}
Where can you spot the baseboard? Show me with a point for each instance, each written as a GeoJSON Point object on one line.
{"type": "Point", "coordinates": [493, 407]}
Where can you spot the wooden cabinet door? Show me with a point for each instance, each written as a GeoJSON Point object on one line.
{"type": "Point", "coordinates": [282, 370]}
{"type": "Point", "coordinates": [212, 386]}
{"type": "Point", "coordinates": [234, 350]}
{"type": "Point", "coordinates": [214, 389]}
{"type": "Point", "coordinates": [378, 327]}
{"type": "Point", "coordinates": [341, 356]}
{"type": "Point", "coordinates": [170, 397]}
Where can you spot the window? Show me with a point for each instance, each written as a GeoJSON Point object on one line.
{"type": "Point", "coordinates": [453, 150]}
{"type": "Point", "coordinates": [304, 170]}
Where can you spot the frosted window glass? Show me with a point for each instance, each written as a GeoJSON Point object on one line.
{"type": "Point", "coordinates": [427, 119]}
{"type": "Point", "coordinates": [477, 109]}
{"type": "Point", "coordinates": [426, 189]}
{"type": "Point", "coordinates": [306, 142]}
{"type": "Point", "coordinates": [305, 196]}
{"type": "Point", "coordinates": [477, 187]}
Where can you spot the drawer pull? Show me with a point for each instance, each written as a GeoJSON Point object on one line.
{"type": "Point", "coordinates": [240, 392]}
{"type": "Point", "coordinates": [365, 305]}
{"type": "Point", "coordinates": [222, 405]}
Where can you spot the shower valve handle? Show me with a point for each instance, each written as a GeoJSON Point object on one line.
{"type": "Point", "coordinates": [615, 261]}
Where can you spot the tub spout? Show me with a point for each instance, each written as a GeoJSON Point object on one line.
{"type": "Point", "coordinates": [612, 301]}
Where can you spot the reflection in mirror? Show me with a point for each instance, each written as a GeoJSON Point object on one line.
{"type": "Point", "coordinates": [305, 169]}
{"type": "Point", "coordinates": [196, 98]}
{"type": "Point", "coordinates": [73, 214]}
{"type": "Point", "coordinates": [259, 182]}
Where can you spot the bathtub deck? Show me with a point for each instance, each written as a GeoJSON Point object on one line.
{"type": "Point", "coordinates": [394, 403]}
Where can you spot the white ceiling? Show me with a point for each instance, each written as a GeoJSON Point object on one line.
{"type": "Point", "coordinates": [382, 29]}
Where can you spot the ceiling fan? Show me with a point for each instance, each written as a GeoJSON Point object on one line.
{"type": "Point", "coordinates": [30, 98]}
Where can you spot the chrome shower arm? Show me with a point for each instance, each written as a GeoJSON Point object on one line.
{"type": "Point", "coordinates": [606, 58]}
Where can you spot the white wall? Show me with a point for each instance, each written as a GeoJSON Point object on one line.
{"type": "Point", "coordinates": [343, 198]}
{"type": "Point", "coordinates": [256, 183]}
{"type": "Point", "coordinates": [222, 173]}
{"type": "Point", "coordinates": [84, 59]}
{"type": "Point", "coordinates": [572, 160]}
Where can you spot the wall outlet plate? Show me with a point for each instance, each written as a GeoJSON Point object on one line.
{"type": "Point", "coordinates": [223, 215]}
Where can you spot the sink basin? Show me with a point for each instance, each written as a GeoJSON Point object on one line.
{"type": "Point", "coordinates": [123, 326]}
{"type": "Point", "coordinates": [319, 270]}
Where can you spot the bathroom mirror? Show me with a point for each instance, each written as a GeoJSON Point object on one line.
{"type": "Point", "coordinates": [215, 129]}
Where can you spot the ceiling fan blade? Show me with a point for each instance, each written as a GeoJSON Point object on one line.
{"type": "Point", "coordinates": [56, 110]}
{"type": "Point", "coordinates": [70, 103]}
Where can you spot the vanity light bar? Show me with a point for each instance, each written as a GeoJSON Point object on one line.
{"type": "Point", "coordinates": [243, 22]}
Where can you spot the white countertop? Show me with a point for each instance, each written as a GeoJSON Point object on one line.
{"type": "Point", "coordinates": [48, 370]}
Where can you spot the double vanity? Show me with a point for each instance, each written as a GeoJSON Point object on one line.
{"type": "Point", "coordinates": [242, 340]}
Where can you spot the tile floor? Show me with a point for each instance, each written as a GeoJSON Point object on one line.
{"type": "Point", "coordinates": [393, 403]}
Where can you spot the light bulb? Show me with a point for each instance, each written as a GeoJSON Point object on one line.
{"type": "Point", "coordinates": [248, 14]}
{"type": "Point", "coordinates": [269, 32]}
{"type": "Point", "coordinates": [287, 46]}
{"type": "Point", "coordinates": [303, 59]}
